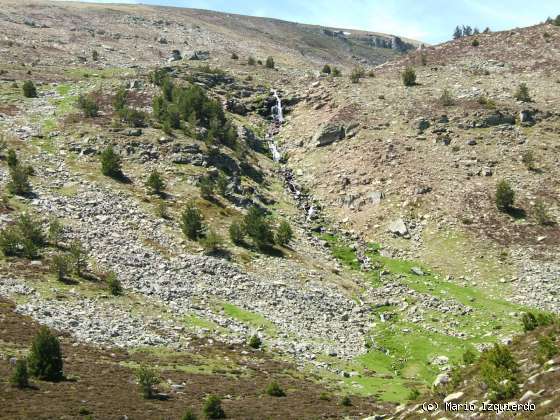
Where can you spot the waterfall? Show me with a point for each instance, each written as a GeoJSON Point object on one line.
{"type": "Point", "coordinates": [279, 114]}
{"type": "Point", "coordinates": [278, 117]}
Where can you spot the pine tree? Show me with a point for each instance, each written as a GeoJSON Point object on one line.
{"type": "Point", "coordinates": [458, 33]}
{"type": "Point", "coordinates": [284, 233]}
{"type": "Point", "coordinates": [111, 163]}
{"type": "Point", "coordinates": [191, 222]}
{"type": "Point", "coordinates": [45, 358]}
{"type": "Point", "coordinates": [155, 183]}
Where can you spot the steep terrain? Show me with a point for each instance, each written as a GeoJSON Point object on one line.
{"type": "Point", "coordinates": [399, 262]}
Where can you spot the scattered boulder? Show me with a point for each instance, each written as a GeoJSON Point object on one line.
{"type": "Point", "coordinates": [440, 380]}
{"type": "Point", "coordinates": [398, 227]}
{"type": "Point", "coordinates": [236, 106]}
{"type": "Point", "coordinates": [375, 197]}
{"type": "Point", "coordinates": [417, 271]}
{"type": "Point", "coordinates": [200, 55]}
{"type": "Point", "coordinates": [526, 117]}
{"type": "Point", "coordinates": [454, 397]}
{"type": "Point", "coordinates": [328, 133]}
{"type": "Point", "coordinates": [175, 56]}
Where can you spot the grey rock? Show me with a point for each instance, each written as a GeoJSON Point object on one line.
{"type": "Point", "coordinates": [328, 133]}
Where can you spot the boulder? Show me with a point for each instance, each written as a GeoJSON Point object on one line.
{"type": "Point", "coordinates": [200, 55]}
{"type": "Point", "coordinates": [454, 397]}
{"type": "Point", "coordinates": [375, 197]}
{"type": "Point", "coordinates": [398, 227]}
{"type": "Point", "coordinates": [497, 118]}
{"type": "Point", "coordinates": [526, 117]}
{"type": "Point", "coordinates": [174, 56]}
{"type": "Point", "coordinates": [236, 106]}
{"type": "Point", "coordinates": [441, 379]}
{"type": "Point", "coordinates": [327, 134]}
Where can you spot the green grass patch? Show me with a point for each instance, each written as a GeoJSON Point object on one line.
{"type": "Point", "coordinates": [249, 318]}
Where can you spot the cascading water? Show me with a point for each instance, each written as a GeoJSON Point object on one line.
{"type": "Point", "coordinates": [278, 117]}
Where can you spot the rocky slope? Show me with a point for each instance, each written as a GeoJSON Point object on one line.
{"type": "Point", "coordinates": [400, 259]}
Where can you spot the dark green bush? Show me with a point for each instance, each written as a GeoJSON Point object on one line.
{"type": "Point", "coordinates": [212, 408]}
{"type": "Point", "coordinates": [111, 163]}
{"type": "Point", "coordinates": [155, 183]}
{"type": "Point", "coordinates": [60, 265]}
{"type": "Point", "coordinates": [147, 379]}
{"type": "Point", "coordinates": [114, 284]}
{"type": "Point", "coordinates": [504, 195]}
{"type": "Point", "coordinates": [88, 105]}
{"type": "Point", "coordinates": [336, 72]}
{"type": "Point", "coordinates": [522, 93]}
{"type": "Point", "coordinates": [469, 357]}
{"type": "Point", "coordinates": [12, 159]}
{"type": "Point", "coordinates": [475, 42]}
{"type": "Point", "coordinates": [133, 117]}
{"type": "Point", "coordinates": [326, 69]}
{"type": "Point", "coordinates": [191, 222]}
{"type": "Point", "coordinates": [409, 76]}
{"type": "Point", "coordinates": [212, 242]}
{"type": "Point", "coordinates": [206, 185]}
{"type": "Point", "coordinates": [20, 377]}
{"type": "Point", "coordinates": [78, 254]}
{"type": "Point", "coordinates": [19, 181]}
{"type": "Point", "coordinates": [29, 89]}
{"type": "Point", "coordinates": [257, 228]}
{"type": "Point", "coordinates": [270, 63]}
{"type": "Point", "coordinates": [45, 358]}
{"type": "Point", "coordinates": [234, 56]}
{"type": "Point", "coordinates": [251, 61]}
{"type": "Point", "coordinates": [546, 349]}
{"type": "Point", "coordinates": [55, 230]}
{"type": "Point", "coordinates": [284, 234]}
{"type": "Point", "coordinates": [236, 233]}
{"type": "Point", "coordinates": [23, 238]}
{"type": "Point", "coordinates": [94, 55]}
{"type": "Point", "coordinates": [255, 341]}
{"type": "Point", "coordinates": [499, 371]}
{"type": "Point", "coordinates": [275, 390]}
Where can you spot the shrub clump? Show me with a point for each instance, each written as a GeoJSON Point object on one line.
{"type": "Point", "coordinates": [522, 93]}
{"type": "Point", "coordinates": [20, 377]}
{"type": "Point", "coordinates": [155, 183]}
{"type": "Point", "coordinates": [504, 195]}
{"type": "Point", "coordinates": [88, 105]}
{"type": "Point", "coordinates": [236, 233]}
{"type": "Point", "coordinates": [541, 213]}
{"type": "Point", "coordinates": [275, 390]}
{"type": "Point", "coordinates": [111, 163]}
{"type": "Point", "coordinates": [29, 89]}
{"type": "Point", "coordinates": [23, 238]}
{"type": "Point", "coordinates": [326, 69]}
{"type": "Point", "coordinates": [191, 222]}
{"type": "Point", "coordinates": [212, 242]}
{"type": "Point", "coordinates": [255, 341]}
{"type": "Point", "coordinates": [60, 265]}
{"type": "Point", "coordinates": [356, 74]}
{"type": "Point", "coordinates": [284, 234]}
{"type": "Point", "coordinates": [147, 380]}
{"type": "Point", "coordinates": [212, 408]}
{"type": "Point", "coordinates": [409, 76]}
{"type": "Point", "coordinates": [257, 228]}
{"type": "Point", "coordinates": [269, 63]}
{"type": "Point", "coordinates": [499, 372]}
{"type": "Point", "coordinates": [45, 358]}
{"type": "Point", "coordinates": [114, 284]}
